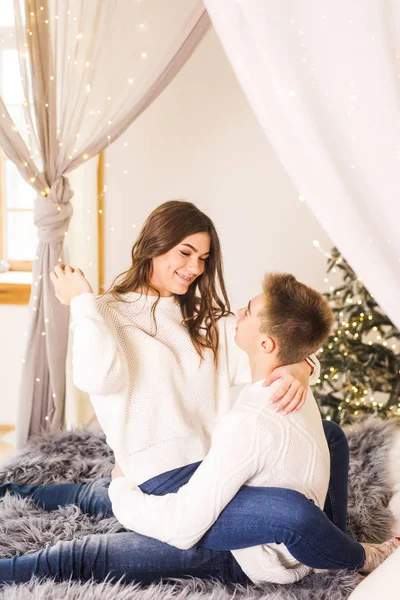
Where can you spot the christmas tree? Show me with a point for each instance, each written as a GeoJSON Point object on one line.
{"type": "Point", "coordinates": [360, 362]}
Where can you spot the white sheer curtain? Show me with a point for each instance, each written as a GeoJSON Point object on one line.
{"type": "Point", "coordinates": [83, 250]}
{"type": "Point", "coordinates": [323, 79]}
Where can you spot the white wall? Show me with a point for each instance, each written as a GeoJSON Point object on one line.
{"type": "Point", "coordinates": [13, 323]}
{"type": "Point", "coordinates": [201, 142]}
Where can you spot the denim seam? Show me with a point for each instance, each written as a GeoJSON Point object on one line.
{"type": "Point", "coordinates": [332, 503]}
{"type": "Point", "coordinates": [207, 568]}
{"type": "Point", "coordinates": [335, 442]}
{"type": "Point", "coordinates": [332, 445]}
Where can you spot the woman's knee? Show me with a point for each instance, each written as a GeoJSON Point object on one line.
{"type": "Point", "coordinates": [304, 516]}
{"type": "Point", "coordinates": [99, 486]}
{"type": "Point", "coordinates": [295, 513]}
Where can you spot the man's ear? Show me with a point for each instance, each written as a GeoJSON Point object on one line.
{"type": "Point", "coordinates": [269, 345]}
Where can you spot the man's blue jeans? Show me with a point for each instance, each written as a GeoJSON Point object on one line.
{"type": "Point", "coordinates": [255, 516]}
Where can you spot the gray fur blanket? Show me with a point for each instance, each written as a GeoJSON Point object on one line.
{"type": "Point", "coordinates": [82, 456]}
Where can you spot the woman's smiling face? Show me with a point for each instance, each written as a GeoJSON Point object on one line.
{"type": "Point", "coordinates": [174, 271]}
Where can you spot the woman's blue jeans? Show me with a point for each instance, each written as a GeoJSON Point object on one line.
{"type": "Point", "coordinates": [254, 516]}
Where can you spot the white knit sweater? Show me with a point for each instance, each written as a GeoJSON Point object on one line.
{"type": "Point", "coordinates": [155, 400]}
{"type": "Point", "coordinates": [251, 445]}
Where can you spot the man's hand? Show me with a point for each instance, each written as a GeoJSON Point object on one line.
{"type": "Point", "coordinates": [68, 283]}
{"type": "Point", "coordinates": [292, 393]}
{"type": "Point", "coordinates": [117, 472]}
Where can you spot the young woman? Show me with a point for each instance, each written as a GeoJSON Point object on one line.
{"type": "Point", "coordinates": [157, 355]}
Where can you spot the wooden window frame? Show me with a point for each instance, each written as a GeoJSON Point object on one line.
{"type": "Point", "coordinates": [11, 291]}
{"type": "Point", "coordinates": [100, 219]}
{"type": "Point", "coordinates": [19, 293]}
{"type": "Point", "coordinates": [15, 265]}
{"type": "Point", "coordinates": [15, 293]}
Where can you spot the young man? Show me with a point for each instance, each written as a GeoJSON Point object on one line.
{"type": "Point", "coordinates": [253, 444]}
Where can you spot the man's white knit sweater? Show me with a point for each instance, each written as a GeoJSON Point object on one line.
{"type": "Point", "coordinates": [251, 445]}
{"type": "Point", "coordinates": [155, 400]}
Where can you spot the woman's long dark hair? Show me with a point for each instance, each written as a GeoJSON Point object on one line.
{"type": "Point", "coordinates": [202, 305]}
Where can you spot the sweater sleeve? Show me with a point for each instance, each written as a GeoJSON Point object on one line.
{"type": "Point", "coordinates": [181, 519]}
{"type": "Point", "coordinates": [98, 364]}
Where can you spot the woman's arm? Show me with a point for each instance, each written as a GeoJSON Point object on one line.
{"type": "Point", "coordinates": [292, 393]}
{"type": "Point", "coordinates": [99, 366]}
{"type": "Point", "coordinates": [181, 519]}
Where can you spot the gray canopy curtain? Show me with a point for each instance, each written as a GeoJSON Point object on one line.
{"type": "Point", "coordinates": [88, 70]}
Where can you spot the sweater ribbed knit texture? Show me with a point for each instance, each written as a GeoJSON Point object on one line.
{"type": "Point", "coordinates": [252, 445]}
{"type": "Point", "coordinates": [156, 401]}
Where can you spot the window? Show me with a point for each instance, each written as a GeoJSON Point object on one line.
{"type": "Point", "coordinates": [18, 236]}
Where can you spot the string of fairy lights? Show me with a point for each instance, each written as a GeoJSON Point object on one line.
{"type": "Point", "coordinates": [353, 396]}
{"type": "Point", "coordinates": [142, 26]}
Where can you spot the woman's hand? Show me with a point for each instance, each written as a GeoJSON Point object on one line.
{"type": "Point", "coordinates": [117, 472]}
{"type": "Point", "coordinates": [292, 393]}
{"type": "Point", "coordinates": [68, 283]}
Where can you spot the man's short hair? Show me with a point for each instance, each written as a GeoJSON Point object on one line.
{"type": "Point", "coordinates": [296, 316]}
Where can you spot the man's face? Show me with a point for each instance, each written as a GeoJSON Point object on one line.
{"type": "Point", "coordinates": [248, 335]}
